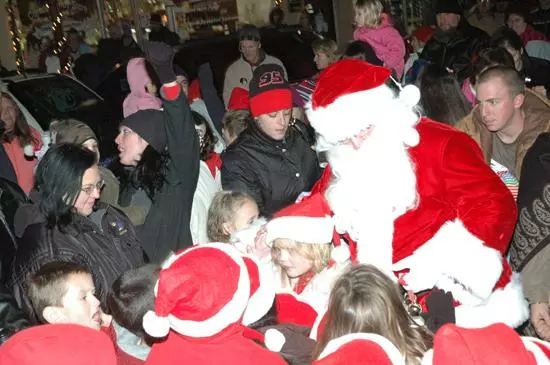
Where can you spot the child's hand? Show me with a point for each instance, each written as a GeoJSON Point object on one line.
{"type": "Point", "coordinates": [260, 249]}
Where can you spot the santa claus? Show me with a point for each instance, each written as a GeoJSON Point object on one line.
{"type": "Point", "coordinates": [415, 195]}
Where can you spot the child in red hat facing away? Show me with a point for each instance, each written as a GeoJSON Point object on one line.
{"type": "Point", "coordinates": [201, 296]}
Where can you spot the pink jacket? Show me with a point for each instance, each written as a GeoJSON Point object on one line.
{"type": "Point", "coordinates": [387, 44]}
{"type": "Point", "coordinates": [139, 98]}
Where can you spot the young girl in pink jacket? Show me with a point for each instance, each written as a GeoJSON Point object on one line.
{"type": "Point", "coordinates": [374, 27]}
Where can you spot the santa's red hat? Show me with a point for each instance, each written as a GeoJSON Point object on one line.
{"type": "Point", "coordinates": [350, 96]}
{"type": "Point", "coordinates": [238, 99]}
{"type": "Point", "coordinates": [58, 344]}
{"type": "Point", "coordinates": [262, 290]}
{"type": "Point", "coordinates": [200, 292]}
{"type": "Point", "coordinates": [488, 345]}
{"type": "Point", "coordinates": [359, 349]}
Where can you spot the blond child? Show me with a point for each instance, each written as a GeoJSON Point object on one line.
{"type": "Point", "coordinates": [374, 27]}
{"type": "Point", "coordinates": [230, 211]}
{"type": "Point", "coordinates": [306, 263]}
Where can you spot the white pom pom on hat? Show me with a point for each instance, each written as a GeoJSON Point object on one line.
{"type": "Point", "coordinates": [156, 326]}
{"type": "Point", "coordinates": [28, 150]}
{"type": "Point", "coordinates": [274, 340]}
{"type": "Point", "coordinates": [410, 95]}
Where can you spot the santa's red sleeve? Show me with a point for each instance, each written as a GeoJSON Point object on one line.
{"type": "Point", "coordinates": [483, 203]}
{"type": "Point", "coordinates": [468, 250]}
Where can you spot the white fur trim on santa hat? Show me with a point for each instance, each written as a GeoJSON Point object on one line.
{"type": "Point", "coordinates": [456, 253]}
{"type": "Point", "coordinates": [533, 344]}
{"type": "Point", "coordinates": [351, 113]}
{"type": "Point", "coordinates": [230, 313]}
{"type": "Point", "coordinates": [274, 340]}
{"type": "Point", "coordinates": [262, 300]}
{"type": "Point", "coordinates": [391, 350]}
{"type": "Point", "coordinates": [506, 305]}
{"type": "Point", "coordinates": [300, 229]}
{"type": "Point", "coordinates": [314, 333]}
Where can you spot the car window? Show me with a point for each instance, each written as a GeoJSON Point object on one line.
{"type": "Point", "coordinates": [52, 97]}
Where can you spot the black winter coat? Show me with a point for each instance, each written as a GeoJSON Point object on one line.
{"type": "Point", "coordinates": [107, 251]}
{"type": "Point", "coordinates": [273, 172]}
{"type": "Point", "coordinates": [166, 227]}
{"type": "Point", "coordinates": [455, 49]}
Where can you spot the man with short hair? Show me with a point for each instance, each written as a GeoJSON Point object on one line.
{"type": "Point", "coordinates": [507, 119]}
{"type": "Point", "coordinates": [239, 73]}
{"type": "Point", "coordinates": [454, 41]}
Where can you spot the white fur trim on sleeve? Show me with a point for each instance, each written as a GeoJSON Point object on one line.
{"type": "Point", "coordinates": [460, 255]}
{"type": "Point", "coordinates": [393, 353]}
{"type": "Point", "coordinates": [506, 305]}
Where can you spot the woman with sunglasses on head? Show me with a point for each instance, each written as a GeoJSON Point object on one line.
{"type": "Point", "coordinates": [66, 222]}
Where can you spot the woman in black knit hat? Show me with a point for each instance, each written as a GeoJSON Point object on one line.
{"type": "Point", "coordinates": [161, 150]}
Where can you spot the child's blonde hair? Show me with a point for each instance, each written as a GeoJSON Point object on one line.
{"type": "Point", "coordinates": [328, 47]}
{"type": "Point", "coordinates": [372, 12]}
{"type": "Point", "coordinates": [364, 299]}
{"type": "Point", "coordinates": [222, 210]}
{"type": "Point", "coordinates": [317, 253]}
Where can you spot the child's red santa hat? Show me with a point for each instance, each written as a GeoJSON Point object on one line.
{"type": "Point", "coordinates": [200, 292]}
{"type": "Point", "coordinates": [350, 96]}
{"type": "Point", "coordinates": [307, 221]}
{"type": "Point", "coordinates": [488, 345]}
{"type": "Point", "coordinates": [359, 349]}
{"type": "Point", "coordinates": [262, 290]}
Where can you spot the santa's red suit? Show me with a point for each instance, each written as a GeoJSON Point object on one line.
{"type": "Point", "coordinates": [455, 233]}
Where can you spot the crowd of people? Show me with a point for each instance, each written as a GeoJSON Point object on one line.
{"type": "Point", "coordinates": [391, 209]}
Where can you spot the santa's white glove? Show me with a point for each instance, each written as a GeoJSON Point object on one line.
{"type": "Point", "coordinates": [423, 273]}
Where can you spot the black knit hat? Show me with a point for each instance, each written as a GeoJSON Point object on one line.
{"type": "Point", "coordinates": [268, 90]}
{"type": "Point", "coordinates": [149, 124]}
{"type": "Point", "coordinates": [178, 71]}
{"type": "Point", "coordinates": [448, 6]}
{"type": "Point", "coordinates": [249, 32]}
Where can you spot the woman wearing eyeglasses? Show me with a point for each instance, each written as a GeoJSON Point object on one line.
{"type": "Point", "coordinates": [66, 222]}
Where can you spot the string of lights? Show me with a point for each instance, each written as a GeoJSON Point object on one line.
{"type": "Point", "coordinates": [15, 37]}
{"type": "Point", "coordinates": [60, 40]}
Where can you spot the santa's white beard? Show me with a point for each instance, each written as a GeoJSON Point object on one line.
{"type": "Point", "coordinates": [372, 186]}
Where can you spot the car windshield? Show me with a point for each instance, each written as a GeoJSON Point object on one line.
{"type": "Point", "coordinates": [53, 97]}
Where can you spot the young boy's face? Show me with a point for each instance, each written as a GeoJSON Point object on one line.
{"type": "Point", "coordinates": [79, 304]}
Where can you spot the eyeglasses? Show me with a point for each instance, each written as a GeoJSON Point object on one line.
{"type": "Point", "coordinates": [89, 189]}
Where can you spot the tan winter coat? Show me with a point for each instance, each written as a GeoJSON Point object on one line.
{"type": "Point", "coordinates": [537, 121]}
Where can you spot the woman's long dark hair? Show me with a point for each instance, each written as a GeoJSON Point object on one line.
{"type": "Point", "coordinates": [441, 97]}
{"type": "Point", "coordinates": [149, 173]}
{"type": "Point", "coordinates": [59, 181]}
{"type": "Point", "coordinates": [21, 129]}
{"type": "Point", "coordinates": [209, 141]}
